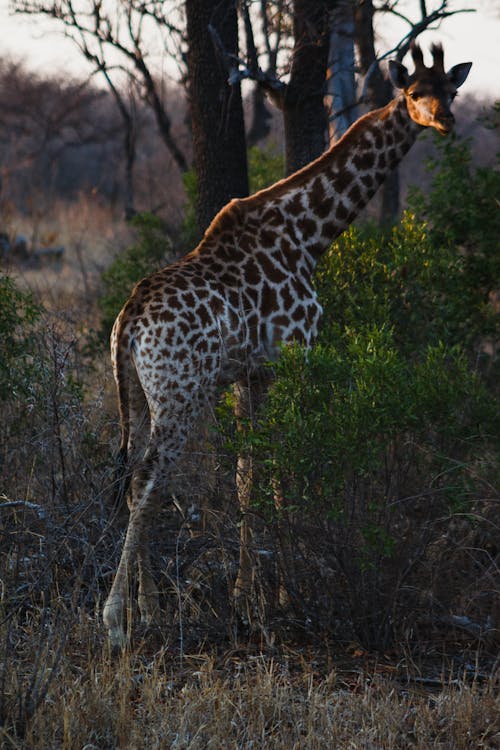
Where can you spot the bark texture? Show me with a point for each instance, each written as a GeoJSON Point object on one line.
{"type": "Point", "coordinates": [379, 93]}
{"type": "Point", "coordinates": [219, 146]}
{"type": "Point", "coordinates": [305, 116]}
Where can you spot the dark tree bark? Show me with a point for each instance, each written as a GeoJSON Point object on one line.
{"type": "Point", "coordinates": [261, 116]}
{"type": "Point", "coordinates": [341, 69]}
{"type": "Point", "coordinates": [378, 92]}
{"type": "Point", "coordinates": [305, 116]}
{"type": "Point", "coordinates": [219, 145]}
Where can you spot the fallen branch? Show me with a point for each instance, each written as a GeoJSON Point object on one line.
{"type": "Point", "coordinates": [38, 509]}
{"type": "Point", "coordinates": [465, 623]}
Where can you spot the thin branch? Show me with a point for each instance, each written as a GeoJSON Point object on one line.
{"type": "Point", "coordinates": [402, 47]}
{"type": "Point", "coordinates": [238, 70]}
{"type": "Point", "coordinates": [38, 509]}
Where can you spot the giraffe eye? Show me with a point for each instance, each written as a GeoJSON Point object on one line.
{"type": "Point", "coordinates": [415, 95]}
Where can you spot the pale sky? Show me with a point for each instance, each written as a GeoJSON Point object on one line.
{"type": "Point", "coordinates": [466, 37]}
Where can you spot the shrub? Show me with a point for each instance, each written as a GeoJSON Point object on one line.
{"type": "Point", "coordinates": [461, 207]}
{"type": "Point", "coordinates": [18, 317]}
{"type": "Point", "coordinates": [404, 279]}
{"type": "Point", "coordinates": [265, 167]}
{"type": "Point", "coordinates": [360, 436]}
{"type": "Point", "coordinates": [463, 223]}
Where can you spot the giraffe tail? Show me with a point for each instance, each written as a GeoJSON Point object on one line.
{"type": "Point", "coordinates": [121, 480]}
{"type": "Point", "coordinates": [120, 357]}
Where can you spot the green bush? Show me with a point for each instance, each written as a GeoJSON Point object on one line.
{"type": "Point", "coordinates": [265, 167]}
{"type": "Point", "coordinates": [460, 211]}
{"type": "Point", "coordinates": [18, 318]}
{"type": "Point", "coordinates": [406, 280]}
{"type": "Point", "coordinates": [335, 415]}
{"type": "Point", "coordinates": [430, 278]}
{"type": "Point", "coordinates": [461, 208]}
{"type": "Point", "coordinates": [149, 253]}
{"type": "Point", "coordinates": [373, 450]}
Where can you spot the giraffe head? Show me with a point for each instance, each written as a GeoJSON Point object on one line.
{"type": "Point", "coordinates": [429, 92]}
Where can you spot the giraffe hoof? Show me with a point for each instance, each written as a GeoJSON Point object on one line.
{"type": "Point", "coordinates": [149, 608]}
{"type": "Point", "coordinates": [242, 603]}
{"type": "Point", "coordinates": [117, 641]}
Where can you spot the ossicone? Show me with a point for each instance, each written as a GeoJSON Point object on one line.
{"type": "Point", "coordinates": [417, 55]}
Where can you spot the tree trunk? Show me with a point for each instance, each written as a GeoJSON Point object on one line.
{"type": "Point", "coordinates": [379, 92]}
{"type": "Point", "coordinates": [216, 109]}
{"type": "Point", "coordinates": [305, 117]}
{"type": "Point", "coordinates": [341, 84]}
{"type": "Point", "coordinates": [260, 126]}
{"type": "Point", "coordinates": [129, 142]}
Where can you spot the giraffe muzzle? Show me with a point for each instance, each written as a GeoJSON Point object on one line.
{"type": "Point", "coordinates": [445, 123]}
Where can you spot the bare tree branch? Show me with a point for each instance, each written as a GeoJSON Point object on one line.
{"type": "Point", "coordinates": [95, 34]}
{"type": "Point", "coordinates": [416, 28]}
{"type": "Point", "coordinates": [238, 70]}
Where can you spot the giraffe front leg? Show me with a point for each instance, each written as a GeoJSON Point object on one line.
{"type": "Point", "coordinates": [248, 396]}
{"type": "Point", "coordinates": [286, 574]}
{"type": "Point", "coordinates": [148, 600]}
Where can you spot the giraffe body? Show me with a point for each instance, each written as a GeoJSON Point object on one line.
{"type": "Point", "coordinates": [215, 316]}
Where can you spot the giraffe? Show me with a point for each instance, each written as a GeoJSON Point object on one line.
{"type": "Point", "coordinates": [214, 317]}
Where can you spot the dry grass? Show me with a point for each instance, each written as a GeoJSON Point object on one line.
{"type": "Point", "coordinates": [281, 702]}
{"type": "Point", "coordinates": [91, 234]}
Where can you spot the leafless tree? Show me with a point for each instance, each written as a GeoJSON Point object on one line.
{"type": "Point", "coordinates": [301, 98]}
{"type": "Point", "coordinates": [43, 120]}
{"type": "Point", "coordinates": [115, 39]}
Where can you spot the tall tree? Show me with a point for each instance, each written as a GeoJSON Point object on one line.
{"type": "Point", "coordinates": [378, 92]}
{"type": "Point", "coordinates": [217, 122]}
{"type": "Point", "coordinates": [302, 99]}
{"type": "Point", "coordinates": [341, 85]}
{"type": "Point", "coordinates": [304, 113]}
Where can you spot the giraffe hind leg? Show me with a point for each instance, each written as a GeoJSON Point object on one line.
{"type": "Point", "coordinates": [140, 428]}
{"type": "Point", "coordinates": [116, 603]}
{"type": "Point", "coordinates": [155, 470]}
{"type": "Point", "coordinates": [147, 597]}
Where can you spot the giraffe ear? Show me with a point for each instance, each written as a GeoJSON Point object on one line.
{"type": "Point", "coordinates": [458, 73]}
{"type": "Point", "coordinates": [398, 74]}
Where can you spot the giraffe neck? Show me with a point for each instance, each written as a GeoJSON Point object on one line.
{"type": "Point", "coordinates": [321, 200]}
